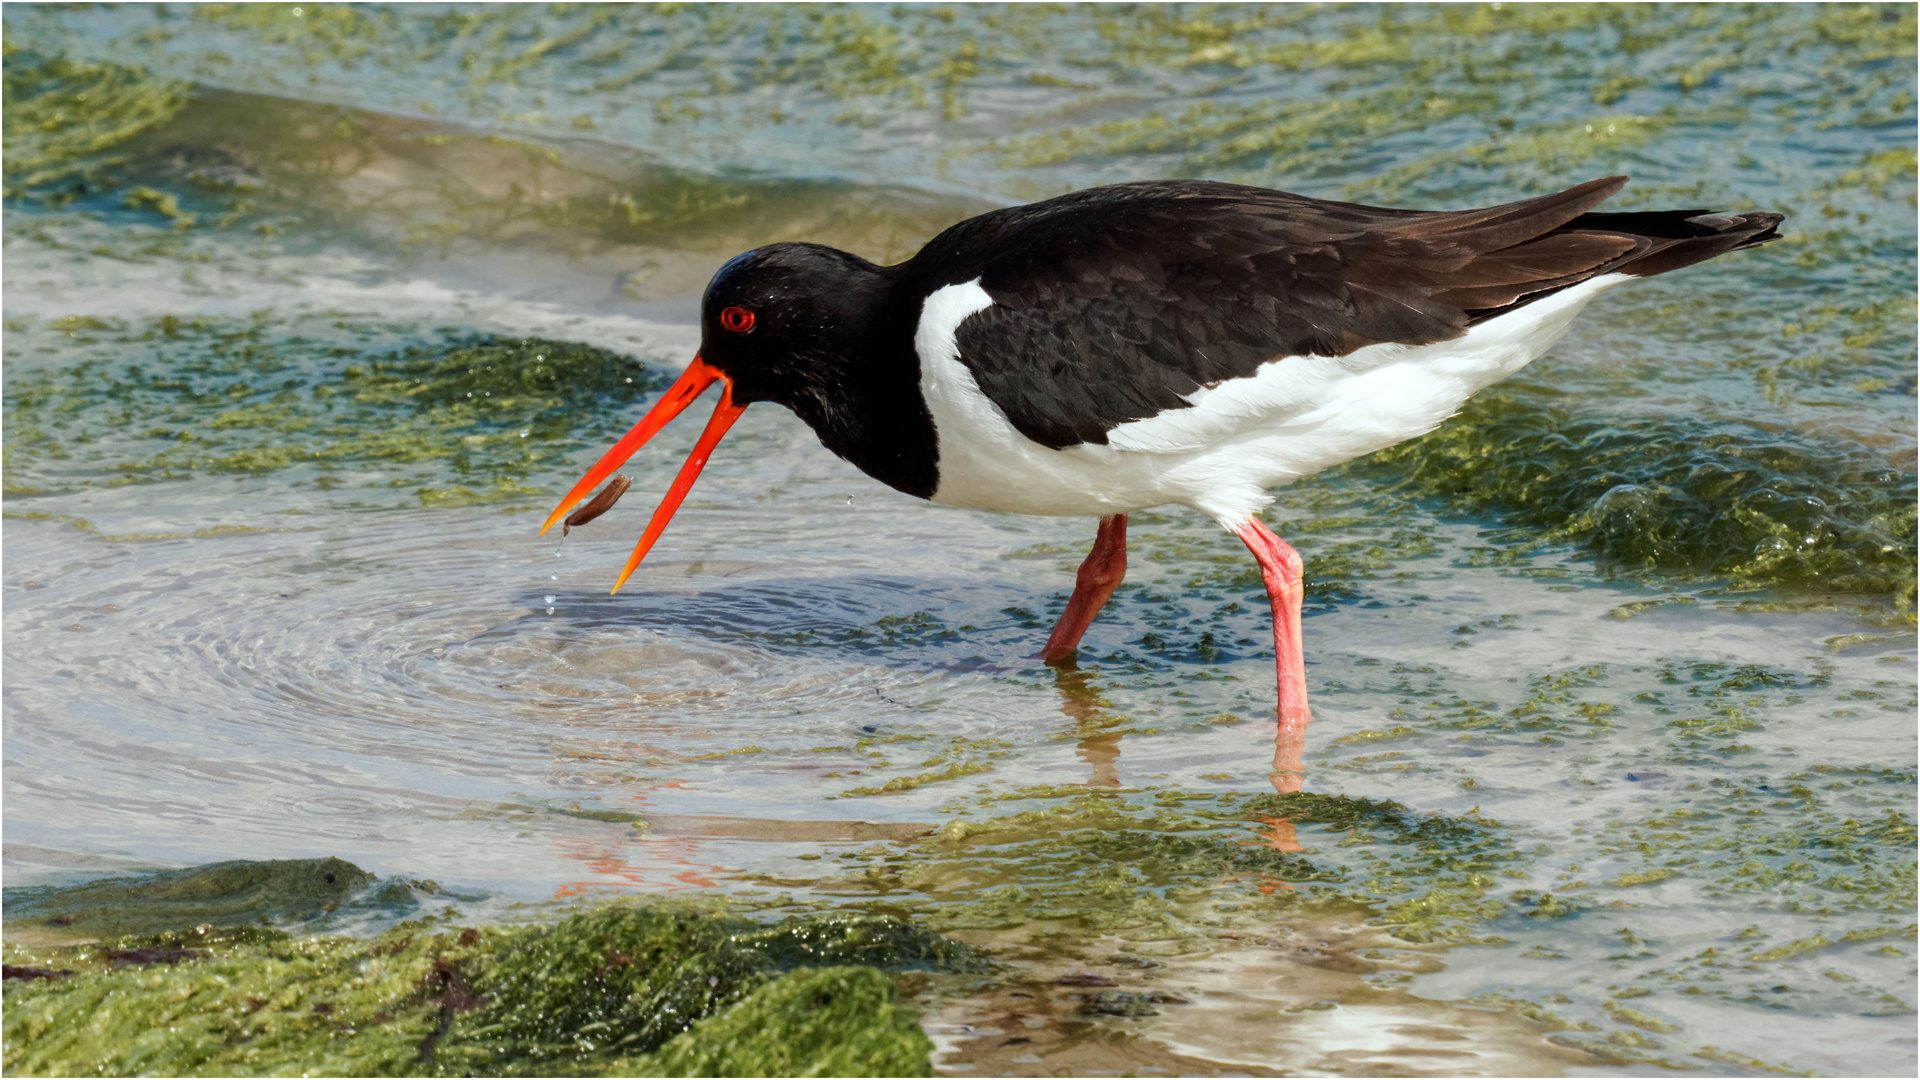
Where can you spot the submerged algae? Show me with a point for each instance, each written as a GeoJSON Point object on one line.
{"type": "Point", "coordinates": [653, 989]}
{"type": "Point", "coordinates": [1847, 852]}
{"type": "Point", "coordinates": [1673, 493]}
{"type": "Point", "coordinates": [220, 894]}
{"type": "Point", "coordinates": [65, 119]}
{"type": "Point", "coordinates": [255, 396]}
{"type": "Point", "coordinates": [1163, 872]}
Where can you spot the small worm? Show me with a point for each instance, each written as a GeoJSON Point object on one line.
{"type": "Point", "coordinates": [601, 503]}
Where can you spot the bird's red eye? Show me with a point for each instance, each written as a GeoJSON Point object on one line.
{"type": "Point", "coordinates": [737, 319]}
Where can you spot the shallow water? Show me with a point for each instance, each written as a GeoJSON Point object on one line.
{"type": "Point", "coordinates": [290, 384]}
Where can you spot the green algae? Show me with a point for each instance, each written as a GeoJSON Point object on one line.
{"type": "Point", "coordinates": [657, 989]}
{"type": "Point", "coordinates": [220, 894]}
{"type": "Point", "coordinates": [1645, 877]}
{"type": "Point", "coordinates": [1824, 842]}
{"type": "Point", "coordinates": [1737, 971]}
{"type": "Point", "coordinates": [1664, 499]}
{"type": "Point", "coordinates": [1398, 731]}
{"type": "Point", "coordinates": [65, 120]}
{"type": "Point", "coordinates": [624, 981]}
{"type": "Point", "coordinates": [1846, 852]}
{"type": "Point", "coordinates": [1164, 872]}
{"type": "Point", "coordinates": [1543, 905]}
{"type": "Point", "coordinates": [1674, 494]}
{"type": "Point", "coordinates": [173, 399]}
{"type": "Point", "coordinates": [839, 1021]}
{"type": "Point", "coordinates": [961, 757]}
{"type": "Point", "coordinates": [900, 784]}
{"type": "Point", "coordinates": [1634, 1017]}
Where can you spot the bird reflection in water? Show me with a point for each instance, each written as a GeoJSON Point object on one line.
{"type": "Point", "coordinates": [1099, 743]}
{"type": "Point", "coordinates": [1289, 772]}
{"type": "Point", "coordinates": [1099, 733]}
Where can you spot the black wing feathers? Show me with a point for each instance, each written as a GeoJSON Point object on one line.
{"type": "Point", "coordinates": [1114, 304]}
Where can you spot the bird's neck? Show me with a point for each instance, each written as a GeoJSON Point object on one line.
{"type": "Point", "coordinates": [860, 392]}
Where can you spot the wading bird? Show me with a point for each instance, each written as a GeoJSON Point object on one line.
{"type": "Point", "coordinates": [1176, 341]}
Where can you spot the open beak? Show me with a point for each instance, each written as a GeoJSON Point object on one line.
{"type": "Point", "coordinates": [698, 377]}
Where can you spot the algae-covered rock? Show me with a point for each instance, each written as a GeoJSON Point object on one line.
{"type": "Point", "coordinates": [626, 980]}
{"type": "Point", "coordinates": [656, 989]}
{"type": "Point", "coordinates": [1676, 493]}
{"type": "Point", "coordinates": [838, 1021]}
{"type": "Point", "coordinates": [219, 894]}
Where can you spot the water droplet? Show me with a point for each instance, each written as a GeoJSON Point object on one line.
{"type": "Point", "coordinates": [550, 599]}
{"type": "Point", "coordinates": [524, 431]}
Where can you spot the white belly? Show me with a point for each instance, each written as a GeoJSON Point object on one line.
{"type": "Point", "coordinates": [1293, 417]}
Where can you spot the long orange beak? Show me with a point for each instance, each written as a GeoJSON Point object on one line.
{"type": "Point", "coordinates": [698, 377]}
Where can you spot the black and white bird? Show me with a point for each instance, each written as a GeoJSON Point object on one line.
{"type": "Point", "coordinates": [1173, 342]}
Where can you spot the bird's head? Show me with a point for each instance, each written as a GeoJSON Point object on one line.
{"type": "Point", "coordinates": [773, 318]}
{"type": "Point", "coordinates": [770, 321]}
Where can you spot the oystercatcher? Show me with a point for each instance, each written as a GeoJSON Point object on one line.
{"type": "Point", "coordinates": [1176, 341]}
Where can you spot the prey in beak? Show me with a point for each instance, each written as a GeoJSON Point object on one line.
{"type": "Point", "coordinates": [699, 375]}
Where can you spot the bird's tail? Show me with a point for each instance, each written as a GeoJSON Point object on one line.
{"type": "Point", "coordinates": [1679, 237]}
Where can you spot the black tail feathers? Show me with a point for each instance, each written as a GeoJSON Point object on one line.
{"type": "Point", "coordinates": [1680, 237]}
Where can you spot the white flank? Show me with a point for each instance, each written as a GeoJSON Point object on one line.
{"type": "Point", "coordinates": [1293, 417]}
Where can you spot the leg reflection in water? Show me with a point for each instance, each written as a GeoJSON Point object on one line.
{"type": "Point", "coordinates": [1289, 772]}
{"type": "Point", "coordinates": [1099, 745]}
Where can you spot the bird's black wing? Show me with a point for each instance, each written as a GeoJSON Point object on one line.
{"type": "Point", "coordinates": [1113, 304]}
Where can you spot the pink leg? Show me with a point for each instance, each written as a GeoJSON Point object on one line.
{"type": "Point", "coordinates": [1280, 567]}
{"type": "Point", "coordinates": [1100, 574]}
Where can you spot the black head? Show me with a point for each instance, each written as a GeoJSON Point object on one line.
{"type": "Point", "coordinates": [776, 320]}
